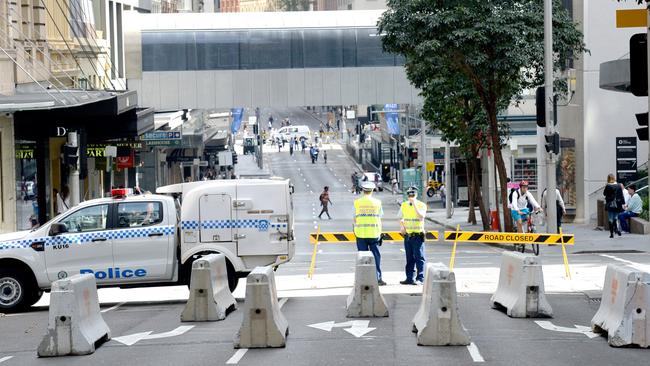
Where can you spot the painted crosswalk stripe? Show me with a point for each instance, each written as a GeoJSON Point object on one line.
{"type": "Point", "coordinates": [7, 358]}
{"type": "Point", "coordinates": [237, 356]}
{"type": "Point", "coordinates": [474, 352]}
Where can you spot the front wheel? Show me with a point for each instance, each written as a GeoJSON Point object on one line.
{"type": "Point", "coordinates": [233, 280]}
{"type": "Point", "coordinates": [16, 291]}
{"type": "Point", "coordinates": [431, 192]}
{"type": "Point", "coordinates": [535, 248]}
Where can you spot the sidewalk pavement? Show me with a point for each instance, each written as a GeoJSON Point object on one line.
{"type": "Point", "coordinates": [587, 237]}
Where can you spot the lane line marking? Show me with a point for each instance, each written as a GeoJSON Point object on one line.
{"type": "Point", "coordinates": [237, 356]}
{"type": "Point", "coordinates": [474, 352]}
{"type": "Point", "coordinates": [6, 359]}
{"type": "Point", "coordinates": [113, 307]}
{"type": "Point", "coordinates": [634, 265]}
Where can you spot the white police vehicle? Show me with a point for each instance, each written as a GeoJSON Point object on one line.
{"type": "Point", "coordinates": [151, 239]}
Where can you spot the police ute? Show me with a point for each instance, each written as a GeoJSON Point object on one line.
{"type": "Point", "coordinates": [151, 239]}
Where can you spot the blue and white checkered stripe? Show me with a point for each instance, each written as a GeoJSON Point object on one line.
{"type": "Point", "coordinates": [231, 224]}
{"type": "Point", "coordinates": [83, 238]}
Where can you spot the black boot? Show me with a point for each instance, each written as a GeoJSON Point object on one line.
{"type": "Point", "coordinates": [611, 229]}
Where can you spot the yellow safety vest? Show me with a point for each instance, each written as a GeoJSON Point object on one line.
{"type": "Point", "coordinates": [412, 223]}
{"type": "Point", "coordinates": [367, 220]}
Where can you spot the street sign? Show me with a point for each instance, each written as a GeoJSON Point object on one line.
{"type": "Point", "coordinates": [163, 142]}
{"type": "Point", "coordinates": [631, 18]}
{"type": "Point", "coordinates": [161, 135]}
{"type": "Point", "coordinates": [626, 162]}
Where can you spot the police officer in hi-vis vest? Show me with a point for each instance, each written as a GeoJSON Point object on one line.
{"type": "Point", "coordinates": [367, 225]}
{"type": "Point", "coordinates": [413, 212]}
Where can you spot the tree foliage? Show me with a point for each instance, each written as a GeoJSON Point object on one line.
{"type": "Point", "coordinates": [294, 5]}
{"type": "Point", "coordinates": [487, 50]}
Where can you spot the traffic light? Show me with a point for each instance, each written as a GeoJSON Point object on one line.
{"type": "Point", "coordinates": [234, 158]}
{"type": "Point", "coordinates": [70, 155]}
{"type": "Point", "coordinates": [552, 143]}
{"type": "Point", "coordinates": [540, 100]}
{"type": "Point", "coordinates": [642, 119]}
{"type": "Point", "coordinates": [639, 64]}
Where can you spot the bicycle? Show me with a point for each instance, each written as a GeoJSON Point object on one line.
{"type": "Point", "coordinates": [532, 219]}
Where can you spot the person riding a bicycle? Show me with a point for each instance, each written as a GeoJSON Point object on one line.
{"type": "Point", "coordinates": [521, 204]}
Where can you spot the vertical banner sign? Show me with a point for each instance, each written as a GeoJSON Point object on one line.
{"type": "Point", "coordinates": [625, 159]}
{"type": "Point", "coordinates": [392, 118]}
{"type": "Point", "coordinates": [237, 114]}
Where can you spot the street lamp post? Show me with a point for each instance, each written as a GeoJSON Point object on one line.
{"type": "Point", "coordinates": [551, 214]}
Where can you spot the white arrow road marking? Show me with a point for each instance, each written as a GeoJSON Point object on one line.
{"type": "Point", "coordinates": [112, 307]}
{"type": "Point", "coordinates": [357, 328]}
{"type": "Point", "coordinates": [132, 339]}
{"type": "Point", "coordinates": [6, 359]}
{"type": "Point", "coordinates": [579, 329]}
{"type": "Point", "coordinates": [474, 353]}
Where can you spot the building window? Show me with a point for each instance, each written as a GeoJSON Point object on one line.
{"type": "Point", "coordinates": [525, 169]}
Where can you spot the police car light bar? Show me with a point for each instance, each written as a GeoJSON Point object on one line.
{"type": "Point", "coordinates": [121, 192]}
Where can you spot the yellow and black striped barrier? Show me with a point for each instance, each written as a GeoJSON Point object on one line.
{"type": "Point", "coordinates": [349, 237]}
{"type": "Point", "coordinates": [509, 238]}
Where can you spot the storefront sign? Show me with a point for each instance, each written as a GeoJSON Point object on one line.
{"type": "Point", "coordinates": [626, 164]}
{"type": "Point", "coordinates": [61, 131]}
{"type": "Point", "coordinates": [125, 161]}
{"type": "Point", "coordinates": [161, 135]}
{"type": "Point", "coordinates": [98, 150]}
{"type": "Point", "coordinates": [25, 151]}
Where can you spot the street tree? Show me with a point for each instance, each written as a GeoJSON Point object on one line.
{"type": "Point", "coordinates": [496, 45]}
{"type": "Point", "coordinates": [294, 5]}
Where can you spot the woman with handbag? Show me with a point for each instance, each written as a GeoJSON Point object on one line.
{"type": "Point", "coordinates": [613, 203]}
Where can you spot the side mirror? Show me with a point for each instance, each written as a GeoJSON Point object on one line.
{"type": "Point", "coordinates": [58, 228]}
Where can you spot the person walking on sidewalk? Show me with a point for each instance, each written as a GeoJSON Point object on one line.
{"type": "Point", "coordinates": [632, 209]}
{"type": "Point", "coordinates": [613, 203]}
{"type": "Point", "coordinates": [324, 202]}
{"type": "Point", "coordinates": [325, 156]}
{"type": "Point", "coordinates": [413, 212]}
{"type": "Point", "coordinates": [367, 225]}
{"type": "Point", "coordinates": [560, 209]}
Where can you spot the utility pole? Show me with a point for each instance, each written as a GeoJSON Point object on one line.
{"type": "Point", "coordinates": [423, 158]}
{"type": "Point", "coordinates": [448, 189]}
{"type": "Point", "coordinates": [73, 177]}
{"type": "Point", "coordinates": [551, 213]}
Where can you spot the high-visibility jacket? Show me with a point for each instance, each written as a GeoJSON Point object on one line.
{"type": "Point", "coordinates": [412, 223]}
{"type": "Point", "coordinates": [367, 217]}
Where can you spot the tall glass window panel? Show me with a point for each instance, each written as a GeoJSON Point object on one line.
{"type": "Point", "coordinates": [369, 51]}
{"type": "Point", "coordinates": [323, 47]}
{"type": "Point", "coordinates": [168, 51]}
{"type": "Point", "coordinates": [219, 50]}
{"type": "Point", "coordinates": [267, 49]}
{"type": "Point", "coordinates": [349, 48]}
{"type": "Point", "coordinates": [297, 51]}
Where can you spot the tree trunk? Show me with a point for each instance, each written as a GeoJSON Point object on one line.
{"type": "Point", "coordinates": [500, 165]}
{"type": "Point", "coordinates": [485, 218]}
{"type": "Point", "coordinates": [471, 218]}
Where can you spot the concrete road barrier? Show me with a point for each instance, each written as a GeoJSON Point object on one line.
{"type": "Point", "coordinates": [437, 322]}
{"type": "Point", "coordinates": [365, 300]}
{"type": "Point", "coordinates": [210, 297]}
{"type": "Point", "coordinates": [75, 326]}
{"type": "Point", "coordinates": [623, 308]}
{"type": "Point", "coordinates": [521, 287]}
{"type": "Point", "coordinates": [263, 325]}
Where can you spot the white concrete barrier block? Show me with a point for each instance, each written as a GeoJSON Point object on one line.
{"type": "Point", "coordinates": [263, 325]}
{"type": "Point", "coordinates": [365, 300]}
{"type": "Point", "coordinates": [521, 287]}
{"type": "Point", "coordinates": [210, 297]}
{"type": "Point", "coordinates": [437, 322]}
{"type": "Point", "coordinates": [624, 307]}
{"type": "Point", "coordinates": [75, 326]}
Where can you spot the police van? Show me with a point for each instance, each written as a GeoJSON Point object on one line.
{"type": "Point", "coordinates": [152, 239]}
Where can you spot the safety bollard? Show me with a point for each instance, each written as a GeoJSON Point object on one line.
{"type": "Point", "coordinates": [263, 325]}
{"type": "Point", "coordinates": [623, 307]}
{"type": "Point", "coordinates": [365, 300]}
{"type": "Point", "coordinates": [75, 324]}
{"type": "Point", "coordinates": [521, 287]}
{"type": "Point", "coordinates": [437, 322]}
{"type": "Point", "coordinates": [210, 297]}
